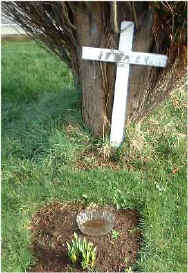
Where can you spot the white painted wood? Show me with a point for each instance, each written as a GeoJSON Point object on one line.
{"type": "Point", "coordinates": [121, 87]}
{"type": "Point", "coordinates": [118, 56]}
{"type": "Point", "coordinates": [123, 57]}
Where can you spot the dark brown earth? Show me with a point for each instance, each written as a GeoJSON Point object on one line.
{"type": "Point", "coordinates": [55, 224]}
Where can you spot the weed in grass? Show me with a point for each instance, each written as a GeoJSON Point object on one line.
{"type": "Point", "coordinates": [122, 200]}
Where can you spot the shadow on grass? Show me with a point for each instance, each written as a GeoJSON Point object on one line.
{"type": "Point", "coordinates": [27, 127]}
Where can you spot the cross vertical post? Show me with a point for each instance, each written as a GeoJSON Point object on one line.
{"type": "Point", "coordinates": [121, 86]}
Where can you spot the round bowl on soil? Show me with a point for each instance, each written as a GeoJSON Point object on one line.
{"type": "Point", "coordinates": [95, 222]}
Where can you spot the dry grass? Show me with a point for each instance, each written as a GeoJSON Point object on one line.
{"type": "Point", "coordinates": [142, 139]}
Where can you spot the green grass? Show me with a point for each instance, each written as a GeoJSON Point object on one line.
{"type": "Point", "coordinates": [42, 139]}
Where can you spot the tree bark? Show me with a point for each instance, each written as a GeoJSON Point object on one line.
{"type": "Point", "coordinates": [97, 92]}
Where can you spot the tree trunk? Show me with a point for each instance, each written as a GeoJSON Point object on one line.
{"type": "Point", "coordinates": [97, 90]}
{"type": "Point", "coordinates": [97, 78]}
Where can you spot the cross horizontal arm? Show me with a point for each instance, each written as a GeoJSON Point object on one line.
{"type": "Point", "coordinates": [120, 57]}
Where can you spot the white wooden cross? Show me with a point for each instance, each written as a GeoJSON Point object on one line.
{"type": "Point", "coordinates": [123, 58]}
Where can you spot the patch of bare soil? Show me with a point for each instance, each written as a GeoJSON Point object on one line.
{"type": "Point", "coordinates": [55, 224]}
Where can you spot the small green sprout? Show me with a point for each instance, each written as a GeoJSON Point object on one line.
{"type": "Point", "coordinates": [129, 269]}
{"type": "Point", "coordinates": [82, 251]}
{"type": "Point", "coordinates": [115, 234]}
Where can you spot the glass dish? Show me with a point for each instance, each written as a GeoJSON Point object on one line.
{"type": "Point", "coordinates": [95, 222]}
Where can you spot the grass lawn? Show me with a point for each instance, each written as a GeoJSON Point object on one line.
{"type": "Point", "coordinates": [48, 155]}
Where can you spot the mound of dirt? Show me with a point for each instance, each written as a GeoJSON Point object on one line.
{"type": "Point", "coordinates": [55, 224]}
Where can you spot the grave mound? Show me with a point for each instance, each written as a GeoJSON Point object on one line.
{"type": "Point", "coordinates": [54, 225]}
